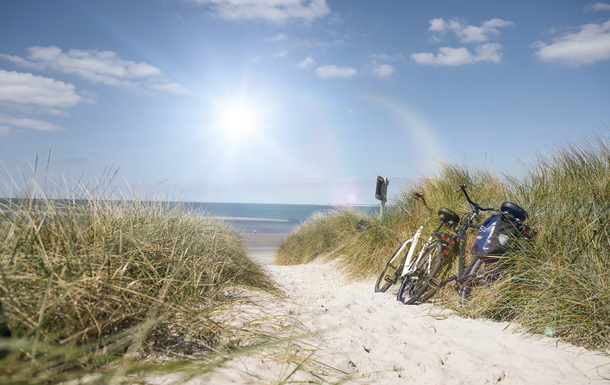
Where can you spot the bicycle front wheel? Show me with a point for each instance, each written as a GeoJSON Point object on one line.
{"type": "Point", "coordinates": [415, 284]}
{"type": "Point", "coordinates": [393, 268]}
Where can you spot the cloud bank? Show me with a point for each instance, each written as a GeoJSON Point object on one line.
{"type": "Point", "coordinates": [449, 56]}
{"type": "Point", "coordinates": [468, 33]}
{"type": "Point", "coordinates": [104, 67]}
{"type": "Point", "coordinates": [26, 88]}
{"type": "Point", "coordinates": [587, 46]}
{"type": "Point", "coordinates": [31, 94]}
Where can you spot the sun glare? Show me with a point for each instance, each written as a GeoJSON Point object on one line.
{"type": "Point", "coordinates": [238, 121]}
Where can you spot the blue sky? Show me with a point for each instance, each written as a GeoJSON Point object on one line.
{"type": "Point", "coordinates": [294, 101]}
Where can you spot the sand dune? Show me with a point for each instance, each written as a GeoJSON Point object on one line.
{"type": "Point", "coordinates": [373, 339]}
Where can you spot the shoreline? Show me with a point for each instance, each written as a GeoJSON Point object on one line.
{"type": "Point", "coordinates": [263, 247]}
{"type": "Point", "coordinates": [249, 219]}
{"type": "Point", "coordinates": [263, 241]}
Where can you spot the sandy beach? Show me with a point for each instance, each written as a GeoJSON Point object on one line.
{"type": "Point", "coordinates": [364, 337]}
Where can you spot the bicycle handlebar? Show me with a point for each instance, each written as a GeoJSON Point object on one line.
{"type": "Point", "coordinates": [476, 206]}
{"type": "Point", "coordinates": [420, 195]}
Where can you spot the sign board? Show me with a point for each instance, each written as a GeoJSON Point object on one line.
{"type": "Point", "coordinates": [381, 190]}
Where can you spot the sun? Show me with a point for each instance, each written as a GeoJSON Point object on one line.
{"type": "Point", "coordinates": [238, 121]}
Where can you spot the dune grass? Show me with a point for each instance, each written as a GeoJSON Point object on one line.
{"type": "Point", "coordinates": [91, 285]}
{"type": "Point", "coordinates": [560, 287]}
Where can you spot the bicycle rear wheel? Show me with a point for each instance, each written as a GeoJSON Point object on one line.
{"type": "Point", "coordinates": [393, 268]}
{"type": "Point", "coordinates": [415, 284]}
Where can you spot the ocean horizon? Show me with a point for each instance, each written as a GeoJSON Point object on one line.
{"type": "Point", "coordinates": [271, 222]}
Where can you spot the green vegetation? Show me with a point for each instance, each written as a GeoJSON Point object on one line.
{"type": "Point", "coordinates": [561, 285]}
{"type": "Point", "coordinates": [91, 285]}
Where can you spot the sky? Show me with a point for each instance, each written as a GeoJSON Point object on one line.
{"type": "Point", "coordinates": [292, 101]}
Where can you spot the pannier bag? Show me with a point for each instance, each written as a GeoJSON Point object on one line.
{"type": "Point", "coordinates": [494, 238]}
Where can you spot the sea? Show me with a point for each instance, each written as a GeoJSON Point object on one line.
{"type": "Point", "coordinates": [260, 218]}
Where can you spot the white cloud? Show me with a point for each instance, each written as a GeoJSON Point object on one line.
{"type": "Point", "coordinates": [99, 67]}
{"type": "Point", "coordinates": [468, 33]}
{"type": "Point", "coordinates": [26, 88]}
{"type": "Point", "coordinates": [488, 52]}
{"type": "Point", "coordinates": [5, 131]}
{"type": "Point", "coordinates": [307, 63]}
{"type": "Point", "coordinates": [437, 25]}
{"type": "Point", "coordinates": [349, 110]}
{"type": "Point", "coordinates": [383, 71]}
{"type": "Point", "coordinates": [21, 62]}
{"type": "Point", "coordinates": [268, 10]}
{"type": "Point", "coordinates": [449, 56]}
{"type": "Point", "coordinates": [597, 7]}
{"type": "Point", "coordinates": [590, 44]}
{"type": "Point", "coordinates": [281, 54]}
{"type": "Point", "coordinates": [29, 123]}
{"type": "Point", "coordinates": [332, 71]}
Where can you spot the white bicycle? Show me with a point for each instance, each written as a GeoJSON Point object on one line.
{"type": "Point", "coordinates": [401, 261]}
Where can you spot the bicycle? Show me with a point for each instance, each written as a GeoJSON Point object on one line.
{"type": "Point", "coordinates": [423, 284]}
{"type": "Point", "coordinates": [425, 268]}
{"type": "Point", "coordinates": [399, 263]}
{"type": "Point", "coordinates": [491, 265]}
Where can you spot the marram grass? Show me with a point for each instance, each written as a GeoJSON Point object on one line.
{"type": "Point", "coordinates": [561, 283]}
{"type": "Point", "coordinates": [91, 285]}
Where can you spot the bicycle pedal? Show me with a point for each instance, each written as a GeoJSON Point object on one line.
{"type": "Point", "coordinates": [389, 279]}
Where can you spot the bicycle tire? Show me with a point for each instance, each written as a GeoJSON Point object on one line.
{"type": "Point", "coordinates": [416, 283]}
{"type": "Point", "coordinates": [391, 270]}
{"type": "Point", "coordinates": [436, 279]}
{"type": "Point", "coordinates": [464, 287]}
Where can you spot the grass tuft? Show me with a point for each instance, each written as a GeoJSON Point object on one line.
{"type": "Point", "coordinates": [90, 284]}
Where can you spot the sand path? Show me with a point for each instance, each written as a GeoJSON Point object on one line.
{"type": "Point", "coordinates": [373, 339]}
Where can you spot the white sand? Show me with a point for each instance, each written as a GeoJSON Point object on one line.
{"type": "Point", "coordinates": [374, 339]}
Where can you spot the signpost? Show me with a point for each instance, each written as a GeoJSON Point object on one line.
{"type": "Point", "coordinates": [381, 191]}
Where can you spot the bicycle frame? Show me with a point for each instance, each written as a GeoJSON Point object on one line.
{"type": "Point", "coordinates": [415, 239]}
{"type": "Point", "coordinates": [411, 265]}
{"type": "Point", "coordinates": [460, 236]}
{"type": "Point", "coordinates": [408, 265]}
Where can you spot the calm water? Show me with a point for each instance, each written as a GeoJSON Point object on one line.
{"type": "Point", "coordinates": [266, 218]}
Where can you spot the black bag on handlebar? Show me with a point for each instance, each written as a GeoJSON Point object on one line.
{"type": "Point", "coordinates": [496, 235]}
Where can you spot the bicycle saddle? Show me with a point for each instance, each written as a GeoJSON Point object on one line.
{"type": "Point", "coordinates": [448, 216]}
{"type": "Point", "coordinates": [514, 210]}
